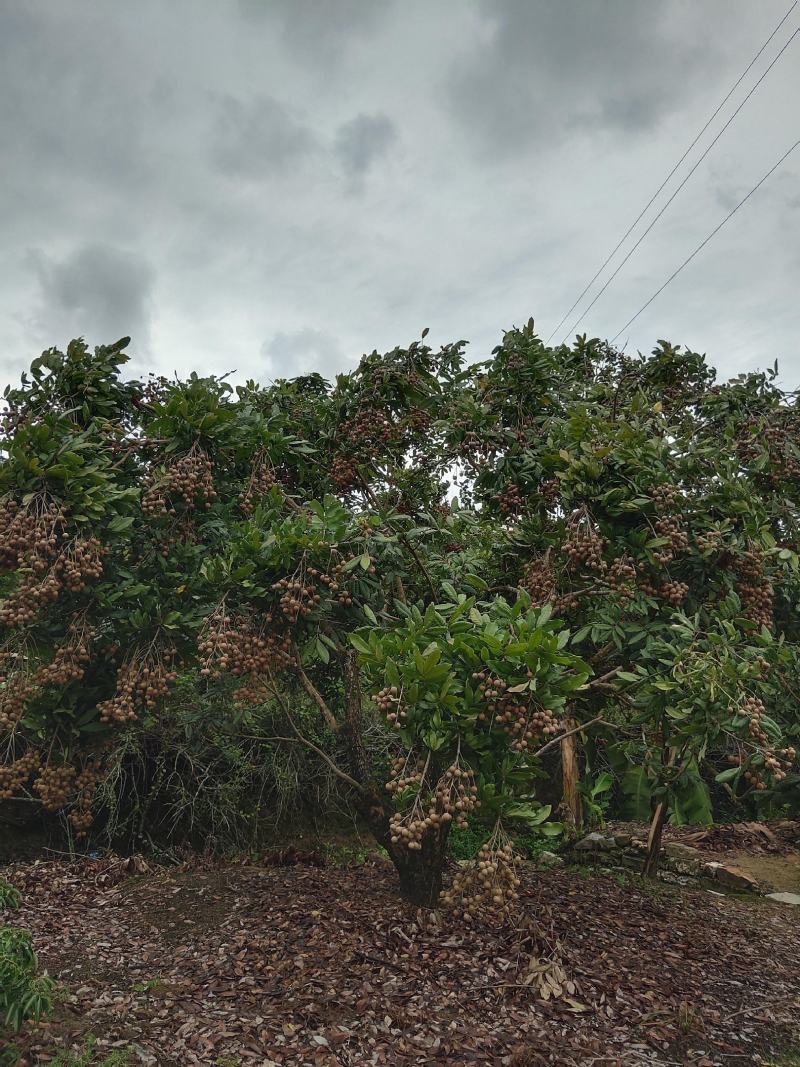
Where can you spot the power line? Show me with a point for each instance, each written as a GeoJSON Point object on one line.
{"type": "Point", "coordinates": [649, 203]}
{"type": "Point", "coordinates": [702, 244]}
{"type": "Point", "coordinates": [652, 223]}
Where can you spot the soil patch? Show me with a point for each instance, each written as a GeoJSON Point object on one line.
{"type": "Point", "coordinates": [302, 965]}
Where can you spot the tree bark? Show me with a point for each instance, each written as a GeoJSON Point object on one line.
{"type": "Point", "coordinates": [570, 778]}
{"type": "Point", "coordinates": [654, 840]}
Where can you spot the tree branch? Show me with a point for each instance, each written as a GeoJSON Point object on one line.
{"type": "Point", "coordinates": [315, 748]}
{"type": "Point", "coordinates": [557, 740]}
{"type": "Point", "coordinates": [318, 698]}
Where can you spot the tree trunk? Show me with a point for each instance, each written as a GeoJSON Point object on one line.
{"type": "Point", "coordinates": [420, 872]}
{"type": "Point", "coordinates": [654, 840]}
{"type": "Point", "coordinates": [570, 778]}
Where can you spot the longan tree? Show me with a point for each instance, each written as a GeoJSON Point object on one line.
{"type": "Point", "coordinates": [301, 537]}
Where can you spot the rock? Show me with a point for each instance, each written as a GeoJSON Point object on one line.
{"type": "Point", "coordinates": [683, 857]}
{"type": "Point", "coordinates": [549, 859]}
{"type": "Point", "coordinates": [785, 898]}
{"type": "Point", "coordinates": [730, 877]}
{"type": "Point", "coordinates": [623, 840]}
{"type": "Point", "coordinates": [595, 843]}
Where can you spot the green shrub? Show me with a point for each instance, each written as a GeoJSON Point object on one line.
{"type": "Point", "coordinates": [9, 897]}
{"type": "Point", "coordinates": [24, 995]}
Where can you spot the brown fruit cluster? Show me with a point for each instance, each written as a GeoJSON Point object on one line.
{"type": "Point", "coordinates": [754, 587]}
{"type": "Point", "coordinates": [15, 774]}
{"type": "Point", "coordinates": [583, 544]}
{"type": "Point", "coordinates": [671, 528]}
{"type": "Point", "coordinates": [86, 783]}
{"type": "Point", "coordinates": [674, 592]}
{"type": "Point", "coordinates": [30, 534]}
{"type": "Point", "coordinates": [141, 682]}
{"type": "Point", "coordinates": [523, 722]}
{"type": "Point", "coordinates": [453, 798]}
{"type": "Point", "coordinates": [343, 472]}
{"type": "Point", "coordinates": [231, 644]}
{"type": "Point", "coordinates": [188, 480]}
{"type": "Point", "coordinates": [69, 661]}
{"type": "Point", "coordinates": [550, 490]}
{"type": "Point", "coordinates": [18, 688]}
{"type": "Point", "coordinates": [387, 700]}
{"type": "Point", "coordinates": [490, 879]}
{"type": "Point", "coordinates": [262, 480]}
{"type": "Point", "coordinates": [539, 580]}
{"type": "Point", "coordinates": [621, 577]}
{"type": "Point", "coordinates": [511, 500]}
{"type": "Point", "coordinates": [46, 564]}
{"type": "Point", "coordinates": [55, 784]}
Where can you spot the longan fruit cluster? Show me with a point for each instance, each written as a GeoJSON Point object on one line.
{"type": "Point", "coordinates": [674, 592]}
{"type": "Point", "coordinates": [455, 796]}
{"type": "Point", "coordinates": [664, 496]}
{"type": "Point", "coordinates": [510, 500]}
{"type": "Point", "coordinates": [297, 598]}
{"type": "Point", "coordinates": [68, 664]}
{"type": "Point", "coordinates": [187, 480]}
{"type": "Point", "coordinates": [754, 588]}
{"type": "Point", "coordinates": [539, 581]}
{"type": "Point", "coordinates": [55, 784]}
{"type": "Point", "coordinates": [14, 775]}
{"type": "Point", "coordinates": [777, 439]}
{"type": "Point", "coordinates": [584, 546]}
{"type": "Point", "coordinates": [29, 534]}
{"type": "Point", "coordinates": [754, 708]}
{"type": "Point", "coordinates": [523, 724]}
{"type": "Point", "coordinates": [343, 472]}
{"type": "Point", "coordinates": [231, 644]}
{"type": "Point", "coordinates": [16, 692]}
{"type": "Point", "coordinates": [141, 682]}
{"type": "Point", "coordinates": [621, 576]}
{"type": "Point", "coordinates": [80, 563]}
{"type": "Point", "coordinates": [490, 879]}
{"type": "Point", "coordinates": [86, 783]}
{"type": "Point", "coordinates": [550, 490]}
{"type": "Point", "coordinates": [262, 480]}
{"type": "Point", "coordinates": [387, 700]}
{"type": "Point", "coordinates": [710, 541]}
{"type": "Point", "coordinates": [671, 528]}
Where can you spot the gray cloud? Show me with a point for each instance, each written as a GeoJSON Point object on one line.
{"type": "Point", "coordinates": [219, 145]}
{"type": "Point", "coordinates": [301, 351]}
{"type": "Point", "coordinates": [551, 66]}
{"type": "Point", "coordinates": [259, 138]}
{"type": "Point", "coordinates": [96, 291]}
{"type": "Point", "coordinates": [362, 141]}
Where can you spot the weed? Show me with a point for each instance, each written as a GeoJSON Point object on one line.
{"type": "Point", "coordinates": [86, 1057]}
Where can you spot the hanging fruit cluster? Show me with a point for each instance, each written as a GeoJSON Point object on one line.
{"type": "Point", "coordinates": [32, 543]}
{"type": "Point", "coordinates": [510, 500]}
{"type": "Point", "coordinates": [188, 480]}
{"type": "Point", "coordinates": [231, 644]}
{"type": "Point", "coordinates": [754, 587]}
{"type": "Point", "coordinates": [776, 761]}
{"type": "Point", "coordinates": [522, 720]}
{"type": "Point", "coordinates": [452, 799]}
{"type": "Point", "coordinates": [583, 544]}
{"type": "Point", "coordinates": [668, 525]}
{"type": "Point", "coordinates": [674, 592]}
{"type": "Point", "coordinates": [262, 480]}
{"type": "Point", "coordinates": [69, 661]}
{"type": "Point", "coordinates": [142, 680]}
{"type": "Point", "coordinates": [15, 774]}
{"type": "Point", "coordinates": [621, 577]}
{"type": "Point", "coordinates": [490, 879]}
{"type": "Point", "coordinates": [55, 785]}
{"type": "Point", "coordinates": [86, 783]}
{"type": "Point", "coordinates": [539, 580]}
{"type": "Point", "coordinates": [387, 700]}
{"type": "Point", "coordinates": [19, 684]}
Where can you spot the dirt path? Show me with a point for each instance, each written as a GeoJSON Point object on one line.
{"type": "Point", "coordinates": [305, 966]}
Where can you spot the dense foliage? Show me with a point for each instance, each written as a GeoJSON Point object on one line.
{"type": "Point", "coordinates": [554, 548]}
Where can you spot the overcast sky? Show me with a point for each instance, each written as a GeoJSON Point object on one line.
{"type": "Point", "coordinates": [276, 186]}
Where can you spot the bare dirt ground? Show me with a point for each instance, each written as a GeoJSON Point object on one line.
{"type": "Point", "coordinates": [307, 965]}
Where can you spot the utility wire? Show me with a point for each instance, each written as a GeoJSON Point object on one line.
{"type": "Point", "coordinates": [628, 255]}
{"type": "Point", "coordinates": [702, 244]}
{"type": "Point", "coordinates": [655, 195]}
